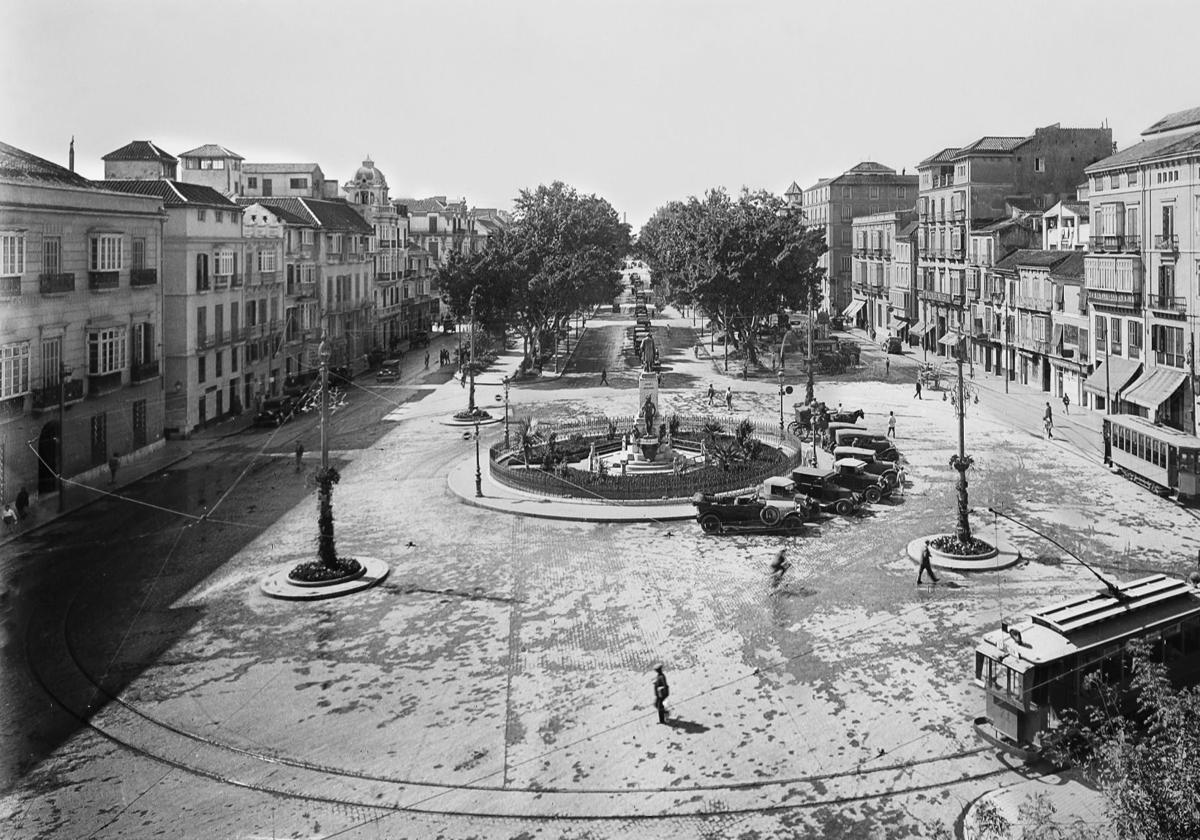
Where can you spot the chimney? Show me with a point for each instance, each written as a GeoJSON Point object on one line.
{"type": "Point", "coordinates": [71, 155]}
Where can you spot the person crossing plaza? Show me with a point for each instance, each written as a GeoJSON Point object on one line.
{"type": "Point", "coordinates": [712, 392]}
{"type": "Point", "coordinates": [891, 432]}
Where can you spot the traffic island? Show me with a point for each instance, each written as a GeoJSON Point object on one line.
{"type": "Point", "coordinates": [284, 585]}
{"type": "Point", "coordinates": [988, 558]}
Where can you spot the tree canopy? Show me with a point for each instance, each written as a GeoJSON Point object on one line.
{"type": "Point", "coordinates": [562, 254]}
{"type": "Point", "coordinates": [739, 260]}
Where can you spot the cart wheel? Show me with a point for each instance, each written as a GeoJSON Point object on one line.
{"type": "Point", "coordinates": [843, 507]}
{"type": "Point", "coordinates": [872, 494]}
{"type": "Point", "coordinates": [710, 523]}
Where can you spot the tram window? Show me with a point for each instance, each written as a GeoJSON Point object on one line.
{"type": "Point", "coordinates": [1173, 643]}
{"type": "Point", "coordinates": [995, 669]}
{"type": "Point", "coordinates": [1016, 683]}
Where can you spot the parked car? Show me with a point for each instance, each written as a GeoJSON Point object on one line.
{"type": "Point", "coordinates": [420, 338]}
{"type": "Point", "coordinates": [275, 412]}
{"type": "Point", "coordinates": [821, 486]}
{"type": "Point", "coordinates": [851, 473]}
{"type": "Point", "coordinates": [389, 370]}
{"type": "Point", "coordinates": [774, 506]}
{"type": "Point", "coordinates": [837, 322]}
{"type": "Point", "coordinates": [874, 465]}
{"type": "Point", "coordinates": [883, 448]}
{"type": "Point", "coordinates": [893, 344]}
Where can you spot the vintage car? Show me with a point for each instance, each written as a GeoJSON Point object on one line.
{"type": "Point", "coordinates": [774, 506]}
{"type": "Point", "coordinates": [419, 338]}
{"type": "Point", "coordinates": [389, 371]}
{"type": "Point", "coordinates": [875, 465]}
{"type": "Point", "coordinates": [275, 412]}
{"type": "Point", "coordinates": [822, 487]}
{"type": "Point", "coordinates": [893, 344]}
{"type": "Point", "coordinates": [837, 322]}
{"type": "Point", "coordinates": [851, 473]}
{"type": "Point", "coordinates": [881, 445]}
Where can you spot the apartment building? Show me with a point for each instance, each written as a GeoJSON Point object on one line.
{"type": "Point", "coordinates": [970, 188]}
{"type": "Point", "coordinates": [367, 193]}
{"type": "Point", "coordinates": [833, 203]}
{"type": "Point", "coordinates": [81, 345]}
{"type": "Point", "coordinates": [878, 268]}
{"type": "Point", "coordinates": [1141, 272]}
{"type": "Point", "coordinates": [286, 180]}
{"type": "Point", "coordinates": [261, 333]}
{"type": "Point", "coordinates": [1067, 225]}
{"type": "Point", "coordinates": [986, 293]}
{"type": "Point", "coordinates": [211, 166]}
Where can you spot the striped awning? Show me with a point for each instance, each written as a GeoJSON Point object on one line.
{"type": "Point", "coordinates": [1155, 387]}
{"type": "Point", "coordinates": [852, 310]}
{"type": "Point", "coordinates": [1120, 373]}
{"type": "Point", "coordinates": [919, 329]}
{"type": "Point", "coordinates": [950, 339]}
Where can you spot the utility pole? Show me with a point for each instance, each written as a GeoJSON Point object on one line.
{"type": "Point", "coordinates": [63, 373]}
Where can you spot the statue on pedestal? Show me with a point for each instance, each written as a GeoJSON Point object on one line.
{"type": "Point", "coordinates": [648, 353]}
{"type": "Point", "coordinates": [649, 412]}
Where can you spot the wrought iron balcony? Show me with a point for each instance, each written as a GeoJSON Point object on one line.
{"type": "Point", "coordinates": [10, 285]}
{"type": "Point", "coordinates": [1168, 303]}
{"type": "Point", "coordinates": [144, 372]}
{"type": "Point", "coordinates": [1166, 242]}
{"type": "Point", "coordinates": [103, 279]}
{"type": "Point", "coordinates": [143, 277]}
{"type": "Point", "coordinates": [103, 383]}
{"type": "Point", "coordinates": [53, 284]}
{"type": "Point", "coordinates": [46, 399]}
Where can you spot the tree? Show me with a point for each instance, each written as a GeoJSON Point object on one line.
{"type": "Point", "coordinates": [741, 261]}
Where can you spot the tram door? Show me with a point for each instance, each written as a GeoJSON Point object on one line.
{"type": "Point", "coordinates": [1188, 481]}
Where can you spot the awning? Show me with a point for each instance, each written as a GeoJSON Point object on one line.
{"type": "Point", "coordinates": [1155, 387]}
{"type": "Point", "coordinates": [1121, 372]}
{"type": "Point", "coordinates": [900, 321]}
{"type": "Point", "coordinates": [950, 339]}
{"type": "Point", "coordinates": [1056, 337]}
{"type": "Point", "coordinates": [852, 310]}
{"type": "Point", "coordinates": [919, 329]}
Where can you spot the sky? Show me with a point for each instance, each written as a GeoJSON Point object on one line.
{"type": "Point", "coordinates": [639, 101]}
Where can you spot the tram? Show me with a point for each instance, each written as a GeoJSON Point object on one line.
{"type": "Point", "coordinates": [1164, 459]}
{"type": "Point", "coordinates": [1033, 670]}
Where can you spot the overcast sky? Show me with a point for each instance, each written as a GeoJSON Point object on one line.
{"type": "Point", "coordinates": [641, 101]}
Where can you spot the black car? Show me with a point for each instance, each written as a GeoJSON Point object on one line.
{"type": "Point", "coordinates": [275, 412]}
{"type": "Point", "coordinates": [822, 487]}
{"type": "Point", "coordinates": [852, 473]}
{"type": "Point", "coordinates": [773, 507]}
{"type": "Point", "coordinates": [420, 338]}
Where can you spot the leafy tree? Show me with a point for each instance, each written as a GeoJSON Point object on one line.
{"type": "Point", "coordinates": [740, 260]}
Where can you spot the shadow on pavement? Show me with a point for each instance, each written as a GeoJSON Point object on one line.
{"type": "Point", "coordinates": [688, 726]}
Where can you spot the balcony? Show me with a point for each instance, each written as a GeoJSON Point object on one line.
{"type": "Point", "coordinates": [1166, 242]}
{"type": "Point", "coordinates": [938, 297]}
{"type": "Point", "coordinates": [1167, 303]}
{"type": "Point", "coordinates": [46, 399]}
{"type": "Point", "coordinates": [861, 253]}
{"type": "Point", "coordinates": [10, 285]}
{"type": "Point", "coordinates": [1035, 304]}
{"type": "Point", "coordinates": [1131, 300]}
{"type": "Point", "coordinates": [56, 284]}
{"type": "Point", "coordinates": [103, 279]}
{"type": "Point", "coordinates": [236, 336]}
{"type": "Point", "coordinates": [143, 277]}
{"type": "Point", "coordinates": [144, 372]}
{"type": "Point", "coordinates": [958, 216]}
{"type": "Point", "coordinates": [305, 290]}
{"type": "Point", "coordinates": [103, 383]}
{"type": "Point", "coordinates": [236, 281]}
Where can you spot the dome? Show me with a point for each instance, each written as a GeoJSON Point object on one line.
{"type": "Point", "coordinates": [368, 174]}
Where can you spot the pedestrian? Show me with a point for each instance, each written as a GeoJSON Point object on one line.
{"type": "Point", "coordinates": [712, 392]}
{"type": "Point", "coordinates": [887, 366]}
{"type": "Point", "coordinates": [1066, 404]}
{"type": "Point", "coordinates": [926, 565]}
{"type": "Point", "coordinates": [729, 397]}
{"type": "Point", "coordinates": [918, 393]}
{"type": "Point", "coordinates": [661, 692]}
{"type": "Point", "coordinates": [778, 566]}
{"type": "Point", "coordinates": [660, 379]}
{"type": "Point", "coordinates": [113, 464]}
{"type": "Point", "coordinates": [901, 479]}
{"type": "Point", "coordinates": [22, 503]}
{"type": "Point", "coordinates": [604, 376]}
{"type": "Point", "coordinates": [1049, 424]}
{"type": "Point", "coordinates": [891, 432]}
{"type": "Point", "coordinates": [426, 360]}
{"type": "Point", "coordinates": [299, 454]}
{"type": "Point", "coordinates": [10, 518]}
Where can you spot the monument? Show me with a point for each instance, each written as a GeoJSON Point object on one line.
{"type": "Point", "coordinates": [648, 384]}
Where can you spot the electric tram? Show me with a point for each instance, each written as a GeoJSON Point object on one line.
{"type": "Point", "coordinates": [1164, 459]}
{"type": "Point", "coordinates": [1034, 669]}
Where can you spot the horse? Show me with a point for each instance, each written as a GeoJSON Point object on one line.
{"type": "Point", "coordinates": [847, 416]}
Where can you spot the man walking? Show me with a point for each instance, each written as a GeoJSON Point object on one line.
{"type": "Point", "coordinates": [661, 692]}
{"type": "Point", "coordinates": [926, 565]}
{"type": "Point", "coordinates": [778, 567]}
{"type": "Point", "coordinates": [1048, 419]}
{"type": "Point", "coordinates": [1066, 404]}
{"type": "Point", "coordinates": [712, 393]}
{"type": "Point", "coordinates": [887, 366]}
{"type": "Point", "coordinates": [113, 464]}
{"type": "Point", "coordinates": [426, 360]}
{"type": "Point", "coordinates": [299, 454]}
{"type": "Point", "coordinates": [22, 503]}
{"type": "Point", "coordinates": [891, 432]}
{"type": "Point", "coordinates": [729, 397]}
{"type": "Point", "coordinates": [917, 395]}
{"type": "Point", "coordinates": [604, 376]}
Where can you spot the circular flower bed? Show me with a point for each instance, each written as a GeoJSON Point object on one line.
{"type": "Point", "coordinates": [317, 573]}
{"type": "Point", "coordinates": [952, 546]}
{"type": "Point", "coordinates": [471, 415]}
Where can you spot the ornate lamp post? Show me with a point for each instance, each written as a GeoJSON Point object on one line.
{"type": "Point", "coordinates": [478, 472]}
{"type": "Point", "coordinates": [507, 382]}
{"type": "Point", "coordinates": [471, 369]}
{"type": "Point", "coordinates": [962, 461]}
{"type": "Point", "coordinates": [809, 396]}
{"type": "Point", "coordinates": [783, 389]}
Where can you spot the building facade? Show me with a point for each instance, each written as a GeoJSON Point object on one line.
{"type": "Point", "coordinates": [285, 180]}
{"type": "Point", "coordinates": [367, 193]}
{"type": "Point", "coordinates": [214, 167]}
{"type": "Point", "coordinates": [1141, 272]}
{"type": "Point", "coordinates": [833, 204]}
{"type": "Point", "coordinates": [81, 345]}
{"type": "Point", "coordinates": [878, 269]}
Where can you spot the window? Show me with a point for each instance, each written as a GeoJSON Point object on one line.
{"type": "Point", "coordinates": [267, 261]}
{"type": "Point", "coordinates": [202, 272]}
{"type": "Point", "coordinates": [1168, 220]}
{"type": "Point", "coordinates": [233, 359]}
{"type": "Point", "coordinates": [1131, 178]}
{"type": "Point", "coordinates": [202, 369]}
{"type": "Point", "coordinates": [51, 359]}
{"type": "Point", "coordinates": [223, 263]}
{"type": "Point", "coordinates": [847, 213]}
{"type": "Point", "coordinates": [251, 182]}
{"type": "Point", "coordinates": [143, 343]}
{"type": "Point", "coordinates": [218, 215]}
{"type": "Point", "coordinates": [201, 214]}
{"type": "Point", "coordinates": [139, 253]}
{"type": "Point", "coordinates": [1101, 333]}
{"type": "Point", "coordinates": [201, 324]}
{"type": "Point", "coordinates": [191, 163]}
{"type": "Point", "coordinates": [107, 351]}
{"type": "Point", "coordinates": [1115, 343]}
{"type": "Point", "coordinates": [1135, 340]}
{"type": "Point", "coordinates": [212, 163]}
{"type": "Point", "coordinates": [14, 369]}
{"type": "Point", "coordinates": [306, 236]}
{"type": "Point", "coordinates": [334, 242]}
{"type": "Point", "coordinates": [845, 263]}
{"type": "Point", "coordinates": [51, 255]}
{"type": "Point", "coordinates": [901, 192]}
{"type": "Point", "coordinates": [873, 192]}
{"type": "Point", "coordinates": [220, 359]}
{"type": "Point", "coordinates": [1039, 164]}
{"type": "Point", "coordinates": [105, 252]}
{"type": "Point", "coordinates": [1114, 181]}
{"type": "Point", "coordinates": [219, 320]}
{"type": "Point", "coordinates": [298, 183]}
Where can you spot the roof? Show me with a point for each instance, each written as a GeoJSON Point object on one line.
{"type": "Point", "coordinates": [793, 189]}
{"type": "Point", "coordinates": [140, 150]}
{"type": "Point", "coordinates": [1155, 147]}
{"type": "Point", "coordinates": [997, 225]}
{"type": "Point", "coordinates": [287, 215]}
{"type": "Point", "coordinates": [319, 212]}
{"type": "Point", "coordinates": [991, 144]}
{"type": "Point", "coordinates": [212, 150]}
{"type": "Point", "coordinates": [908, 230]}
{"type": "Point", "coordinates": [1071, 268]}
{"type": "Point", "coordinates": [1079, 208]}
{"type": "Point", "coordinates": [423, 205]}
{"type": "Point", "coordinates": [1024, 202]}
{"type": "Point", "coordinates": [1033, 258]}
{"type": "Point", "coordinates": [19, 165]}
{"type": "Point", "coordinates": [1179, 119]}
{"type": "Point", "coordinates": [1120, 372]}
{"type": "Point", "coordinates": [1155, 387]}
{"type": "Point", "coordinates": [944, 156]}
{"type": "Point", "coordinates": [870, 166]}
{"type": "Point", "coordinates": [173, 193]}
{"type": "Point", "coordinates": [278, 168]}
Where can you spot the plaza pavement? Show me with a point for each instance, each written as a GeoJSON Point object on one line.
{"type": "Point", "coordinates": [498, 683]}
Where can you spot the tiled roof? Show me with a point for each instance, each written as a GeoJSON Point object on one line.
{"type": "Point", "coordinates": [824, 182]}
{"type": "Point", "coordinates": [1155, 147]}
{"type": "Point", "coordinates": [1079, 208]}
{"type": "Point", "coordinates": [995, 225]}
{"type": "Point", "coordinates": [1180, 119]}
{"type": "Point", "coordinates": [173, 193]}
{"type": "Point", "coordinates": [437, 204]}
{"type": "Point", "coordinates": [19, 165]}
{"type": "Point", "coordinates": [944, 156]}
{"type": "Point", "coordinates": [1035, 258]}
{"type": "Point", "coordinates": [212, 150]}
{"type": "Point", "coordinates": [871, 167]}
{"type": "Point", "coordinates": [140, 150]}
{"type": "Point", "coordinates": [337, 215]}
{"type": "Point", "coordinates": [1024, 202]}
{"type": "Point", "coordinates": [793, 189]}
{"type": "Point", "coordinates": [991, 144]}
{"type": "Point", "coordinates": [287, 215]}
{"type": "Point", "coordinates": [907, 231]}
{"type": "Point", "coordinates": [278, 168]}
{"type": "Point", "coordinates": [1071, 268]}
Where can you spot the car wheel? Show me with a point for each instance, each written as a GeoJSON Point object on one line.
{"type": "Point", "coordinates": [710, 523]}
{"type": "Point", "coordinates": [793, 524]}
{"type": "Point", "coordinates": [769, 515]}
{"type": "Point", "coordinates": [873, 494]}
{"type": "Point", "coordinates": [843, 507]}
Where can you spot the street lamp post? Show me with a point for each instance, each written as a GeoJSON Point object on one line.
{"type": "Point", "coordinates": [64, 373]}
{"type": "Point", "coordinates": [478, 472]}
{"type": "Point", "coordinates": [809, 394]}
{"type": "Point", "coordinates": [471, 368]}
{"type": "Point", "coordinates": [323, 356]}
{"type": "Point", "coordinates": [962, 462]}
{"type": "Point", "coordinates": [783, 389]}
{"type": "Point", "coordinates": [507, 382]}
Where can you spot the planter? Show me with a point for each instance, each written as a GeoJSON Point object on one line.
{"type": "Point", "coordinates": [308, 574]}
{"type": "Point", "coordinates": [649, 447]}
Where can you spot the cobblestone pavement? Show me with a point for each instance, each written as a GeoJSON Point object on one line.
{"type": "Point", "coordinates": [498, 684]}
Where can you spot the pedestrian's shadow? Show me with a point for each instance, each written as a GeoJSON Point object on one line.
{"type": "Point", "coordinates": [688, 726]}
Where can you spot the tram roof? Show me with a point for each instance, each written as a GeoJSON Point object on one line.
{"type": "Point", "coordinates": [1096, 619]}
{"type": "Point", "coordinates": [1154, 430]}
